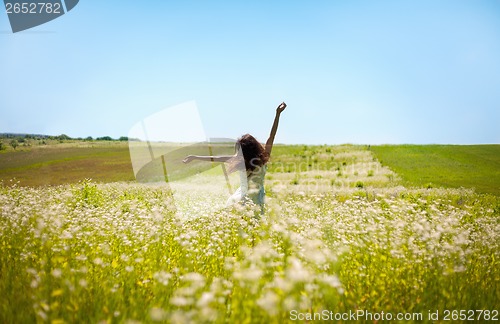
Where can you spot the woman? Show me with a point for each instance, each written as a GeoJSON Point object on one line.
{"type": "Point", "coordinates": [252, 173]}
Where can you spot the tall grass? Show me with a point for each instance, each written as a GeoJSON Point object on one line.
{"type": "Point", "coordinates": [118, 253]}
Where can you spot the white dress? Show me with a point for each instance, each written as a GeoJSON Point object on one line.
{"type": "Point", "coordinates": [251, 187]}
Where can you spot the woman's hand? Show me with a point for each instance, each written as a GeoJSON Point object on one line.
{"type": "Point", "coordinates": [188, 159]}
{"type": "Point", "coordinates": [280, 108]}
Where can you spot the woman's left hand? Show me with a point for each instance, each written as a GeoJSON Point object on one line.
{"type": "Point", "coordinates": [281, 107]}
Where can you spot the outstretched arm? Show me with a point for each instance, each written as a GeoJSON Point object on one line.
{"type": "Point", "coordinates": [270, 141]}
{"type": "Point", "coordinates": [220, 158]}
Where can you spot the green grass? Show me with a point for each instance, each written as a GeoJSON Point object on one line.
{"type": "Point", "coordinates": [450, 166]}
{"type": "Point", "coordinates": [114, 253]}
{"type": "Point", "coordinates": [339, 233]}
{"type": "Point", "coordinates": [469, 166]}
{"type": "Point", "coordinates": [66, 163]}
{"type": "Point", "coordinates": [300, 158]}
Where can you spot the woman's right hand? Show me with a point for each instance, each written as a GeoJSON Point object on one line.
{"type": "Point", "coordinates": [188, 159]}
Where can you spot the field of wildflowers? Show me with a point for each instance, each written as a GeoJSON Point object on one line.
{"type": "Point", "coordinates": [341, 237]}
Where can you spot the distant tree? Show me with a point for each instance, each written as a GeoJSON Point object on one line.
{"type": "Point", "coordinates": [88, 138]}
{"type": "Point", "coordinates": [104, 138]}
{"type": "Point", "coordinates": [14, 144]}
{"type": "Point", "coordinates": [2, 147]}
{"type": "Point", "coordinates": [63, 137]}
{"type": "Point", "coordinates": [123, 138]}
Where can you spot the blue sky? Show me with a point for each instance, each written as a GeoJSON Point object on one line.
{"type": "Point", "coordinates": [366, 72]}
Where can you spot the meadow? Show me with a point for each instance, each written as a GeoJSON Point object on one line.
{"type": "Point", "coordinates": [455, 166]}
{"type": "Point", "coordinates": [63, 163]}
{"type": "Point", "coordinates": [341, 239]}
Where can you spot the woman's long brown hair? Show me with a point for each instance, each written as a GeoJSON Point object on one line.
{"type": "Point", "coordinates": [254, 153]}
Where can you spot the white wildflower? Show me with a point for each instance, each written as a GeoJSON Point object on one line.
{"type": "Point", "coordinates": [157, 314]}
{"type": "Point", "coordinates": [56, 273]}
{"type": "Point", "coordinates": [269, 302]}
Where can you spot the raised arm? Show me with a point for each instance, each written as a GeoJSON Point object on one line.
{"type": "Point", "coordinates": [270, 140]}
{"type": "Point", "coordinates": [219, 158]}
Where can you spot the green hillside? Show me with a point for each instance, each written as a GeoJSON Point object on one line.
{"type": "Point", "coordinates": [469, 166]}
{"type": "Point", "coordinates": [476, 166]}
